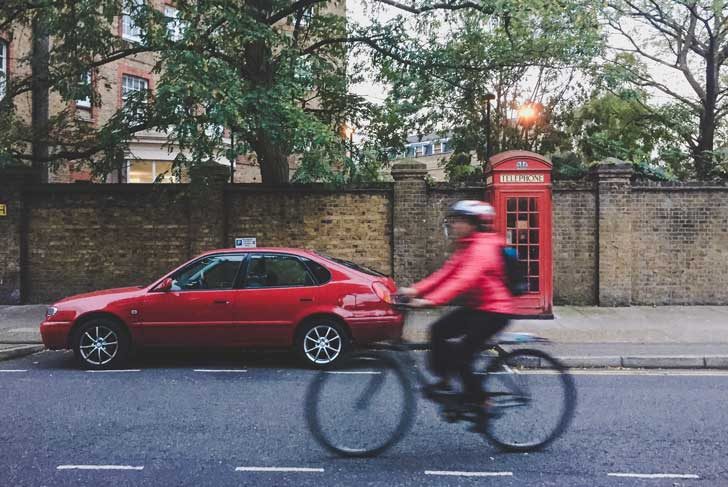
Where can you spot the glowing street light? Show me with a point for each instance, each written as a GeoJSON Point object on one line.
{"type": "Point", "coordinates": [527, 112]}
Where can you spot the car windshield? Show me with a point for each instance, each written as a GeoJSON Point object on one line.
{"type": "Point", "coordinates": [353, 265]}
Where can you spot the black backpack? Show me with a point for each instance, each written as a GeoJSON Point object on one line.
{"type": "Point", "coordinates": [515, 276]}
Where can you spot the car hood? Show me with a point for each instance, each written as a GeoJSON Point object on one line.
{"type": "Point", "coordinates": [119, 292]}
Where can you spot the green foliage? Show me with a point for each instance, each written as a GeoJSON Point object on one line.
{"type": "Point", "coordinates": [459, 168]}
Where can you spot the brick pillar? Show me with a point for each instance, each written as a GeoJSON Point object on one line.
{"type": "Point", "coordinates": [410, 205]}
{"type": "Point", "coordinates": [13, 233]}
{"type": "Point", "coordinates": [206, 194]}
{"type": "Point", "coordinates": [614, 232]}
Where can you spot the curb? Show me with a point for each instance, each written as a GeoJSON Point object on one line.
{"type": "Point", "coordinates": [21, 351]}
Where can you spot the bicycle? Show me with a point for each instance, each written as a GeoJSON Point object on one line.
{"type": "Point", "coordinates": [383, 382]}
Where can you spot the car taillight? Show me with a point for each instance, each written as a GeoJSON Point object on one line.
{"type": "Point", "coordinates": [382, 292]}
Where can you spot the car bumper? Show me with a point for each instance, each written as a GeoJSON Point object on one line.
{"type": "Point", "coordinates": [368, 330]}
{"type": "Point", "coordinates": [55, 334]}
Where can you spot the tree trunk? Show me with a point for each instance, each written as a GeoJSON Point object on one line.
{"type": "Point", "coordinates": [40, 95]}
{"type": "Point", "coordinates": [704, 160]}
{"type": "Point", "coordinates": [272, 159]}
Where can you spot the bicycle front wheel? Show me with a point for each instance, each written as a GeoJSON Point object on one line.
{"type": "Point", "coordinates": [362, 407]}
{"type": "Point", "coordinates": [532, 400]}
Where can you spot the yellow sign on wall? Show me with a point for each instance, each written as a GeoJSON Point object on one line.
{"type": "Point", "coordinates": [3, 209]}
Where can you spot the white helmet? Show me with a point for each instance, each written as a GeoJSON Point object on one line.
{"type": "Point", "coordinates": [479, 210]}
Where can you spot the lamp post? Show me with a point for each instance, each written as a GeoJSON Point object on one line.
{"type": "Point", "coordinates": [488, 98]}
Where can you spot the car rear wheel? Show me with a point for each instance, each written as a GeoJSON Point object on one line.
{"type": "Point", "coordinates": [321, 343]}
{"type": "Point", "coordinates": [100, 344]}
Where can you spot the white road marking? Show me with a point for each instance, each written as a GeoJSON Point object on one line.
{"type": "Point", "coordinates": [468, 474]}
{"type": "Point", "coordinates": [638, 372]}
{"type": "Point", "coordinates": [655, 475]}
{"type": "Point", "coordinates": [280, 469]}
{"type": "Point", "coordinates": [13, 370]}
{"type": "Point", "coordinates": [98, 467]}
{"type": "Point", "coordinates": [373, 372]}
{"type": "Point", "coordinates": [215, 371]}
{"type": "Point", "coordinates": [113, 371]}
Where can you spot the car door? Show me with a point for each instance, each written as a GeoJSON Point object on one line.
{"type": "Point", "coordinates": [198, 309]}
{"type": "Point", "coordinates": [274, 292]}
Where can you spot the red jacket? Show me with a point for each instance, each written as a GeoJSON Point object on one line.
{"type": "Point", "coordinates": [476, 271]}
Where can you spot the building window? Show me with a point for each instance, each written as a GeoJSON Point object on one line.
{"type": "Point", "coordinates": [86, 84]}
{"type": "Point", "coordinates": [129, 29]}
{"type": "Point", "coordinates": [132, 84]}
{"type": "Point", "coordinates": [437, 148]}
{"type": "Point", "coordinates": [175, 27]}
{"type": "Point", "coordinates": [3, 66]}
{"type": "Point", "coordinates": [420, 151]}
{"type": "Point", "coordinates": [141, 171]}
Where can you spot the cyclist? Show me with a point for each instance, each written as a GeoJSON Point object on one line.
{"type": "Point", "coordinates": [476, 274]}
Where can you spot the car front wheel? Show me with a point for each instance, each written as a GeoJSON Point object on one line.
{"type": "Point", "coordinates": [321, 343]}
{"type": "Point", "coordinates": [100, 344]}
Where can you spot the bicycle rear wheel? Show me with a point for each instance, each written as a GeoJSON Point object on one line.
{"type": "Point", "coordinates": [532, 400]}
{"type": "Point", "coordinates": [362, 407]}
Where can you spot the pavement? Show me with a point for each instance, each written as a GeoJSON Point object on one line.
{"type": "Point", "coordinates": [237, 418]}
{"type": "Point", "coordinates": [630, 337]}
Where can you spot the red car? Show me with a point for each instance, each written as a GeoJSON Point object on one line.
{"type": "Point", "coordinates": [264, 297]}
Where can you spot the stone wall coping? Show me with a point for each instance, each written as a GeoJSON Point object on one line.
{"type": "Point", "coordinates": [611, 167]}
{"type": "Point", "coordinates": [445, 187]}
{"type": "Point", "coordinates": [309, 188]}
{"type": "Point", "coordinates": [106, 188]}
{"type": "Point", "coordinates": [409, 169]}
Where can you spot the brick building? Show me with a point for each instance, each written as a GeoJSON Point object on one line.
{"type": "Point", "coordinates": [148, 156]}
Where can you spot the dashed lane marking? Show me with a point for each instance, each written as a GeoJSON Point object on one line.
{"type": "Point", "coordinates": [280, 469]}
{"type": "Point", "coordinates": [113, 371]}
{"type": "Point", "coordinates": [468, 474]}
{"type": "Point", "coordinates": [367, 372]}
{"type": "Point", "coordinates": [222, 371]}
{"type": "Point", "coordinates": [13, 370]}
{"type": "Point", "coordinates": [655, 475]}
{"type": "Point", "coordinates": [99, 467]}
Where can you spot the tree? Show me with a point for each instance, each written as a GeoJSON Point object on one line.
{"type": "Point", "coordinates": [689, 37]}
{"type": "Point", "coordinates": [518, 50]}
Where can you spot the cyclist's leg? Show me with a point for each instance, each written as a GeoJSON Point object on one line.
{"type": "Point", "coordinates": [481, 326]}
{"type": "Point", "coordinates": [441, 357]}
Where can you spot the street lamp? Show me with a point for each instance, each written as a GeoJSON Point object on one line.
{"type": "Point", "coordinates": [488, 98]}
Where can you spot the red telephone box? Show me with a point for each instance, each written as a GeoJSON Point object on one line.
{"type": "Point", "coordinates": [518, 185]}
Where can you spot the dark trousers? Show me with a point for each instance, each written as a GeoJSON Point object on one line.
{"type": "Point", "coordinates": [475, 327]}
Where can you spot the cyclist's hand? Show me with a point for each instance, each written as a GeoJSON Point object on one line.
{"type": "Point", "coordinates": [421, 303]}
{"type": "Point", "coordinates": [408, 292]}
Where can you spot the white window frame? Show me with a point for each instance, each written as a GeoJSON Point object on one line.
{"type": "Point", "coordinates": [420, 151]}
{"type": "Point", "coordinates": [437, 148]}
{"type": "Point", "coordinates": [86, 79]}
{"type": "Point", "coordinates": [155, 171]}
{"type": "Point", "coordinates": [144, 86]}
{"type": "Point", "coordinates": [129, 30]}
{"type": "Point", "coordinates": [175, 27]}
{"type": "Point", "coordinates": [3, 67]}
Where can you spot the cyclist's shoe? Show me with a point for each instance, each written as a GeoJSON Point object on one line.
{"type": "Point", "coordinates": [438, 389]}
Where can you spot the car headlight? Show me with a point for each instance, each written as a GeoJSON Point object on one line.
{"type": "Point", "coordinates": [52, 310]}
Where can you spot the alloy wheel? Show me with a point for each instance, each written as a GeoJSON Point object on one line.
{"type": "Point", "coordinates": [99, 345]}
{"type": "Point", "coordinates": [322, 344]}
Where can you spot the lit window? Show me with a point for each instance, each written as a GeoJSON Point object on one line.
{"type": "Point", "coordinates": [420, 151]}
{"type": "Point", "coordinates": [3, 66]}
{"type": "Point", "coordinates": [175, 27]}
{"type": "Point", "coordinates": [141, 171]}
{"type": "Point", "coordinates": [129, 29]}
{"type": "Point", "coordinates": [437, 148]}
{"type": "Point", "coordinates": [85, 82]}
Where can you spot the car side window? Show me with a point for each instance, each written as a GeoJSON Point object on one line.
{"type": "Point", "coordinates": [276, 270]}
{"type": "Point", "coordinates": [320, 272]}
{"type": "Point", "coordinates": [212, 272]}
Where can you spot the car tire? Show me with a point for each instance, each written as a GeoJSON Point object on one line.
{"type": "Point", "coordinates": [101, 344]}
{"type": "Point", "coordinates": [321, 343]}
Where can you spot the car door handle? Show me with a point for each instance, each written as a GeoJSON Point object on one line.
{"type": "Point", "coordinates": [221, 301]}
{"type": "Point", "coordinates": [306, 300]}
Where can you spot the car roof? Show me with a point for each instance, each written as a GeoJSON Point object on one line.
{"type": "Point", "coordinates": [287, 250]}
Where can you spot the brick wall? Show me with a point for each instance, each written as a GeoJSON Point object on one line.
{"type": "Point", "coordinates": [83, 238]}
{"type": "Point", "coordinates": [679, 245]}
{"type": "Point", "coordinates": [353, 224]}
{"type": "Point", "coordinates": [574, 243]}
{"type": "Point", "coordinates": [614, 243]}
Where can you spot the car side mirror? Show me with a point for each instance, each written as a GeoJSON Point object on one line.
{"type": "Point", "coordinates": [166, 285]}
